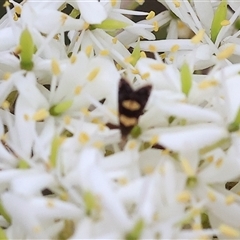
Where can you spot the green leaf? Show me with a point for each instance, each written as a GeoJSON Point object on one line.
{"type": "Point", "coordinates": [220, 15]}
{"type": "Point", "coordinates": [186, 79]}
{"type": "Point", "coordinates": [4, 213]}
{"type": "Point", "coordinates": [110, 24]}
{"type": "Point", "coordinates": [136, 232]}
{"type": "Point", "coordinates": [60, 108]}
{"type": "Point", "coordinates": [27, 50]}
{"type": "Point", "coordinates": [136, 54]}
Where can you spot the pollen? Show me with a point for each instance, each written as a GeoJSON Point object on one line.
{"type": "Point", "coordinates": [143, 54]}
{"type": "Point", "coordinates": [150, 15]}
{"type": "Point", "coordinates": [227, 52]}
{"type": "Point", "coordinates": [158, 66]}
{"type": "Point", "coordinates": [77, 90]}
{"type": "Point", "coordinates": [113, 3]}
{"type": "Point", "coordinates": [88, 50]}
{"type": "Point", "coordinates": [229, 231]}
{"type": "Point", "coordinates": [83, 138]}
{"type": "Point", "coordinates": [73, 59]}
{"type": "Point", "coordinates": [122, 181]}
{"type": "Point", "coordinates": [114, 40]}
{"type": "Point", "coordinates": [184, 197]}
{"type": "Point", "coordinates": [40, 115]}
{"type": "Point", "coordinates": [101, 126]}
{"type": "Point", "coordinates": [210, 159]}
{"type": "Point", "coordinates": [67, 120]}
{"type": "Point", "coordinates": [15, 17]}
{"type": "Point", "coordinates": [55, 67]}
{"type": "Point", "coordinates": [230, 199]}
{"type": "Point", "coordinates": [6, 104]}
{"type": "Point", "coordinates": [211, 196]}
{"type": "Point", "coordinates": [63, 18]}
{"type": "Point", "coordinates": [145, 75]}
{"type": "Point", "coordinates": [165, 152]}
{"type": "Point", "coordinates": [187, 168]}
{"type": "Point", "coordinates": [6, 76]}
{"type": "Point", "coordinates": [225, 23]}
{"type": "Point", "coordinates": [174, 48]}
{"type": "Point", "coordinates": [198, 37]}
{"type": "Point", "coordinates": [181, 24]}
{"type": "Point", "coordinates": [152, 48]}
{"type": "Point", "coordinates": [92, 75]}
{"type": "Point", "coordinates": [155, 26]}
{"type": "Point", "coordinates": [176, 3]}
{"type": "Point", "coordinates": [104, 52]}
{"type": "Point", "coordinates": [162, 55]}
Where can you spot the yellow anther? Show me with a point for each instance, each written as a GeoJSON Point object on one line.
{"type": "Point", "coordinates": [6, 75]}
{"type": "Point", "coordinates": [140, 2]}
{"type": "Point", "coordinates": [148, 170]}
{"type": "Point", "coordinates": [212, 197]}
{"type": "Point", "coordinates": [187, 168]}
{"type": "Point", "coordinates": [98, 145]}
{"type": "Point", "coordinates": [114, 40]}
{"type": "Point", "coordinates": [85, 111]}
{"type": "Point", "coordinates": [145, 75]}
{"type": "Point", "coordinates": [155, 26]}
{"type": "Point", "coordinates": [150, 15]}
{"type": "Point", "coordinates": [83, 138]}
{"type": "Point", "coordinates": [128, 59]}
{"type": "Point", "coordinates": [184, 197]}
{"type": "Point", "coordinates": [104, 52]}
{"type": "Point", "coordinates": [113, 3]}
{"type": "Point", "coordinates": [176, 3]}
{"type": "Point", "coordinates": [26, 117]}
{"type": "Point", "coordinates": [219, 162]}
{"type": "Point", "coordinates": [73, 59]}
{"type": "Point", "coordinates": [174, 48]}
{"type": "Point", "coordinates": [154, 140]}
{"type": "Point", "coordinates": [210, 159]}
{"type": "Point", "coordinates": [6, 4]}
{"type": "Point", "coordinates": [122, 181]}
{"type": "Point", "coordinates": [196, 226]}
{"type": "Point", "coordinates": [225, 23]}
{"type": "Point", "coordinates": [50, 203]}
{"type": "Point", "coordinates": [86, 26]}
{"type": "Point", "coordinates": [101, 126]}
{"type": "Point", "coordinates": [132, 144]}
{"type": "Point", "coordinates": [40, 115]}
{"type": "Point", "coordinates": [230, 199]}
{"type": "Point", "coordinates": [63, 18]}
{"type": "Point", "coordinates": [158, 66]}
{"type": "Point", "coordinates": [15, 17]}
{"type": "Point", "coordinates": [55, 67]}
{"type": "Point", "coordinates": [227, 52]}
{"type": "Point", "coordinates": [152, 48]}
{"type": "Point", "coordinates": [88, 50]}
{"type": "Point", "coordinates": [207, 83]}
{"type": "Point", "coordinates": [67, 120]}
{"type": "Point", "coordinates": [181, 24]}
{"type": "Point", "coordinates": [92, 75]}
{"type": "Point", "coordinates": [6, 104]}
{"type": "Point", "coordinates": [163, 55]}
{"type": "Point", "coordinates": [18, 10]}
{"type": "Point", "coordinates": [77, 90]}
{"type": "Point", "coordinates": [143, 54]}
{"type": "Point", "coordinates": [229, 231]}
{"type": "Point", "coordinates": [134, 71]}
{"type": "Point", "coordinates": [198, 37]}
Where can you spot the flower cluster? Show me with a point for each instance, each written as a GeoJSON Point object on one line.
{"type": "Point", "coordinates": [67, 171]}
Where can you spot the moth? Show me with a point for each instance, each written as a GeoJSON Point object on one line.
{"type": "Point", "coordinates": [131, 104]}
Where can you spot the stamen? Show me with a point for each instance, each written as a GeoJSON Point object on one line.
{"type": "Point", "coordinates": [93, 74]}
